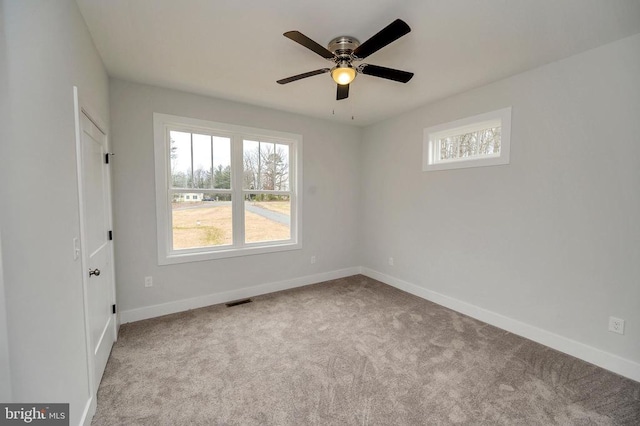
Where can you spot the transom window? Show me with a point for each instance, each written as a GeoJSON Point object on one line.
{"type": "Point", "coordinates": [224, 190]}
{"type": "Point", "coordinates": [482, 140]}
{"type": "Point", "coordinates": [482, 143]}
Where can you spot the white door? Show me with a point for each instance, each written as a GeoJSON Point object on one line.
{"type": "Point", "coordinates": [96, 206]}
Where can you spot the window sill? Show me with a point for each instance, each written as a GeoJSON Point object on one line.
{"type": "Point", "coordinates": [177, 257]}
{"type": "Point", "coordinates": [463, 164]}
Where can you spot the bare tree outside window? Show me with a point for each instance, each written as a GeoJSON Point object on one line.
{"type": "Point", "coordinates": [266, 166]}
{"type": "Point", "coordinates": [474, 144]}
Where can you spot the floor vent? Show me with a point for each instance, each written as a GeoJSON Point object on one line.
{"type": "Point", "coordinates": [238, 302]}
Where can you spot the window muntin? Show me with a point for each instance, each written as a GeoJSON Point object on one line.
{"type": "Point", "coordinates": [224, 190]}
{"type": "Point", "coordinates": [482, 140]}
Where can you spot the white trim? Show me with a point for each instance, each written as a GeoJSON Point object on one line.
{"type": "Point", "coordinates": [84, 256]}
{"type": "Point", "coordinates": [222, 253]}
{"type": "Point", "coordinates": [227, 296]}
{"type": "Point", "coordinates": [166, 255]}
{"type": "Point", "coordinates": [81, 108]}
{"type": "Point", "coordinates": [606, 360]}
{"type": "Point", "coordinates": [500, 118]}
{"type": "Point", "coordinates": [89, 412]}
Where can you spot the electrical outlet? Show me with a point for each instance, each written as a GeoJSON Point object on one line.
{"type": "Point", "coordinates": [616, 325]}
{"type": "Point", "coordinates": [391, 261]}
{"type": "Point", "coordinates": [148, 281]}
{"type": "Point", "coordinates": [313, 260]}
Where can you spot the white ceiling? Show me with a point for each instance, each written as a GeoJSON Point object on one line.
{"type": "Point", "coordinates": [234, 49]}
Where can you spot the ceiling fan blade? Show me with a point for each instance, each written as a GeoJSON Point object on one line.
{"type": "Point", "coordinates": [303, 75]}
{"type": "Point", "coordinates": [302, 39]}
{"type": "Point", "coordinates": [387, 35]}
{"type": "Point", "coordinates": [343, 92]}
{"type": "Point", "coordinates": [383, 72]}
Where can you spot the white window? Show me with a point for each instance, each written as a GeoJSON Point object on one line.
{"type": "Point", "coordinates": [481, 140]}
{"type": "Point", "coordinates": [248, 184]}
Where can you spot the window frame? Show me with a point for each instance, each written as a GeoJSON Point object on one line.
{"type": "Point", "coordinates": [162, 125]}
{"type": "Point", "coordinates": [433, 134]}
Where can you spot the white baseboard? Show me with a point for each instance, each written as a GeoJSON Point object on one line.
{"type": "Point", "coordinates": [606, 360]}
{"type": "Point", "coordinates": [227, 296]}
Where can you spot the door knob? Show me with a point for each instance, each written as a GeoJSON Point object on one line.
{"type": "Point", "coordinates": [95, 272]}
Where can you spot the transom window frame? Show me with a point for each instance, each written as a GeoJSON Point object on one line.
{"type": "Point", "coordinates": [430, 150]}
{"type": "Point", "coordinates": [162, 125]}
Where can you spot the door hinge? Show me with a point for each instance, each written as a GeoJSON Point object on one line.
{"type": "Point", "coordinates": [113, 308]}
{"type": "Point", "coordinates": [110, 235]}
{"type": "Point", "coordinates": [107, 156]}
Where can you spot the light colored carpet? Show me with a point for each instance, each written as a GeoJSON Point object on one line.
{"type": "Point", "coordinates": [352, 351]}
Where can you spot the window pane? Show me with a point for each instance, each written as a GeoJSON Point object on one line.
{"type": "Point", "coordinates": [473, 144]}
{"type": "Point", "coordinates": [180, 159]}
{"type": "Point", "coordinates": [221, 162]}
{"type": "Point", "coordinates": [202, 161]}
{"type": "Point", "coordinates": [489, 142]}
{"type": "Point", "coordinates": [282, 167]}
{"type": "Point", "coordinates": [201, 220]}
{"type": "Point", "coordinates": [266, 166]}
{"type": "Point", "coordinates": [267, 218]}
{"type": "Point", "coordinates": [468, 144]}
{"type": "Point", "coordinates": [251, 165]}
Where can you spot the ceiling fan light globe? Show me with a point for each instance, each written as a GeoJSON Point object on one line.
{"type": "Point", "coordinates": [343, 75]}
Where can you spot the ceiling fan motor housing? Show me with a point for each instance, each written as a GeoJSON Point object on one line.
{"type": "Point", "coordinates": [343, 47]}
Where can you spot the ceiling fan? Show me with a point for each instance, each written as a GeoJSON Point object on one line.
{"type": "Point", "coordinates": [345, 50]}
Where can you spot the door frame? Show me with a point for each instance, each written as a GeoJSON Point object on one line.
{"type": "Point", "coordinates": [81, 107]}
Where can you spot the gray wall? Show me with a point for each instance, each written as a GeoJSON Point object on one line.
{"type": "Point", "coordinates": [48, 51]}
{"type": "Point", "coordinates": [330, 198]}
{"type": "Point", "coordinates": [5, 365]}
{"type": "Point", "coordinates": [552, 239]}
{"type": "Point", "coordinates": [5, 369]}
